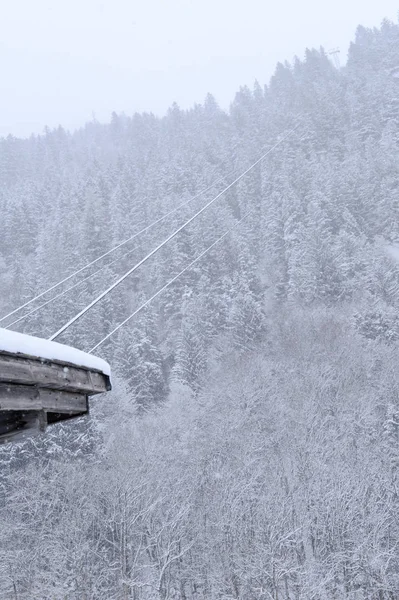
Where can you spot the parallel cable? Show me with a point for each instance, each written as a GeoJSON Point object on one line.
{"type": "Point", "coordinates": [168, 239]}
{"type": "Point", "coordinates": [63, 293]}
{"type": "Point", "coordinates": [162, 289]}
{"type": "Point", "coordinates": [165, 216]}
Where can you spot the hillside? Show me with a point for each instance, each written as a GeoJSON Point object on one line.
{"type": "Point", "coordinates": [251, 447]}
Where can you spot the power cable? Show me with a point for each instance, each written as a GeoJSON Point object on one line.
{"type": "Point", "coordinates": [53, 287]}
{"type": "Point", "coordinates": [147, 302]}
{"type": "Point", "coordinates": [168, 239]}
{"type": "Point", "coordinates": [70, 289]}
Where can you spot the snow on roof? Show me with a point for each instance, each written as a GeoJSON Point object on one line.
{"type": "Point", "coordinates": [19, 343]}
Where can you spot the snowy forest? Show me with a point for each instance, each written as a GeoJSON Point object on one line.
{"type": "Point", "coordinates": [250, 446]}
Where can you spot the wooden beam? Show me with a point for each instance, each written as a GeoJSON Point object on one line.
{"type": "Point", "coordinates": [27, 371]}
{"type": "Point", "coordinates": [16, 397]}
{"type": "Point", "coordinates": [64, 402]}
{"type": "Point", "coordinates": [26, 398]}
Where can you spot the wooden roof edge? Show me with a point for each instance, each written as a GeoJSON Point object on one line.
{"type": "Point", "coordinates": [49, 361]}
{"type": "Point", "coordinates": [19, 369]}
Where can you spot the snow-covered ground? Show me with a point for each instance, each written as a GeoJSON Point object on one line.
{"type": "Point", "coordinates": [19, 343]}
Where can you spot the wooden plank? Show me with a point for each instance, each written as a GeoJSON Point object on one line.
{"type": "Point", "coordinates": [17, 397]}
{"type": "Point", "coordinates": [25, 371]}
{"type": "Point", "coordinates": [26, 398]}
{"type": "Point", "coordinates": [25, 357]}
{"type": "Point", "coordinates": [64, 402]}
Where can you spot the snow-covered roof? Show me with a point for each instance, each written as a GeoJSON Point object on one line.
{"type": "Point", "coordinates": [27, 345]}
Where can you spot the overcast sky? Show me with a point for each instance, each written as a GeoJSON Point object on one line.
{"type": "Point", "coordinates": [63, 61]}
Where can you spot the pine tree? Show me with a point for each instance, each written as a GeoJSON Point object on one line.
{"type": "Point", "coordinates": [246, 319]}
{"type": "Point", "coordinates": [140, 362]}
{"type": "Point", "coordinates": [190, 361]}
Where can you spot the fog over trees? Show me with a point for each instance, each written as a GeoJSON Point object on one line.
{"type": "Point", "coordinates": [250, 448]}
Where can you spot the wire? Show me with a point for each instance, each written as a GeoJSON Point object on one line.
{"type": "Point", "coordinates": [69, 289]}
{"type": "Point", "coordinates": [168, 239]}
{"type": "Point", "coordinates": [147, 302]}
{"type": "Point", "coordinates": [53, 287]}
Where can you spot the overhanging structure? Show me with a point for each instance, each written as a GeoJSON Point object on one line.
{"type": "Point", "coordinates": [44, 382]}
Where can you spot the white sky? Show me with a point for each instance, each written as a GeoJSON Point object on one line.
{"type": "Point", "coordinates": [61, 61]}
